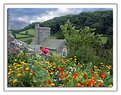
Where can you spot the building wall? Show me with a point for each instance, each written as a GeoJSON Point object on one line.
{"type": "Point", "coordinates": [60, 48]}
{"type": "Point", "coordinates": [42, 33]}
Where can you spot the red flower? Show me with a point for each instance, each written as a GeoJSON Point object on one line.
{"type": "Point", "coordinates": [103, 75]}
{"type": "Point", "coordinates": [49, 82]}
{"type": "Point", "coordinates": [62, 77]}
{"type": "Point", "coordinates": [91, 83]}
{"type": "Point", "coordinates": [85, 76]}
{"type": "Point", "coordinates": [101, 84]}
{"type": "Point", "coordinates": [79, 85]}
{"type": "Point", "coordinates": [59, 69]}
{"type": "Point", "coordinates": [45, 51]}
{"type": "Point", "coordinates": [63, 73]}
{"type": "Point", "coordinates": [75, 75]}
{"type": "Point", "coordinates": [94, 77]}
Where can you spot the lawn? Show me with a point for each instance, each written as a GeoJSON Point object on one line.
{"type": "Point", "coordinates": [26, 38]}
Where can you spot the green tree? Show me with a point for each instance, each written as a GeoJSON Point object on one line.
{"type": "Point", "coordinates": [81, 43]}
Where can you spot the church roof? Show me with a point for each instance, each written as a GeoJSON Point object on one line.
{"type": "Point", "coordinates": [49, 43]}
{"type": "Point", "coordinates": [52, 43]}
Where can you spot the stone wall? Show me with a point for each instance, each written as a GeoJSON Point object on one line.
{"type": "Point", "coordinates": [60, 48]}
{"type": "Point", "coordinates": [15, 47]}
{"type": "Point", "coordinates": [41, 34]}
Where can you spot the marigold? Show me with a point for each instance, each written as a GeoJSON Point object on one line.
{"type": "Point", "coordinates": [101, 84]}
{"type": "Point", "coordinates": [52, 84]}
{"type": "Point", "coordinates": [85, 76]}
{"type": "Point", "coordinates": [91, 83]}
{"type": "Point", "coordinates": [79, 85]}
{"type": "Point", "coordinates": [31, 73]}
{"type": "Point", "coordinates": [26, 69]}
{"type": "Point", "coordinates": [14, 81]}
{"type": "Point", "coordinates": [103, 75]}
{"type": "Point", "coordinates": [19, 74]}
{"type": "Point", "coordinates": [94, 77]}
{"type": "Point", "coordinates": [59, 69]}
{"type": "Point", "coordinates": [49, 82]}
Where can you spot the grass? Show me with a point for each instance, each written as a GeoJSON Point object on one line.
{"type": "Point", "coordinates": [30, 32]}
{"type": "Point", "coordinates": [23, 37]}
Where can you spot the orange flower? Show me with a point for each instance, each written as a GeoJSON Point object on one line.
{"type": "Point", "coordinates": [75, 75]}
{"type": "Point", "coordinates": [103, 75]}
{"type": "Point", "coordinates": [85, 76]}
{"type": "Point", "coordinates": [68, 79]}
{"type": "Point", "coordinates": [49, 82]}
{"type": "Point", "coordinates": [79, 85]}
{"type": "Point", "coordinates": [94, 77]}
{"type": "Point", "coordinates": [52, 84]}
{"type": "Point", "coordinates": [59, 69]}
{"type": "Point", "coordinates": [26, 69]}
{"type": "Point", "coordinates": [91, 83]}
{"type": "Point", "coordinates": [101, 84]}
{"type": "Point", "coordinates": [62, 77]}
{"type": "Point", "coordinates": [63, 73]}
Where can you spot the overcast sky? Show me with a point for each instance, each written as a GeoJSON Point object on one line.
{"type": "Point", "coordinates": [20, 17]}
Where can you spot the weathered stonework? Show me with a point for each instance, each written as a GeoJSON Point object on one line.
{"type": "Point", "coordinates": [15, 47]}
{"type": "Point", "coordinates": [42, 39]}
{"type": "Point", "coordinates": [42, 33]}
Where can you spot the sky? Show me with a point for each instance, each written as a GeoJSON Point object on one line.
{"type": "Point", "coordinates": [18, 18]}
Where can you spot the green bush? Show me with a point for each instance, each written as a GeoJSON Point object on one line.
{"type": "Point", "coordinates": [81, 43]}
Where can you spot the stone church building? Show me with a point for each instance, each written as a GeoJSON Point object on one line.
{"type": "Point", "coordinates": [42, 39]}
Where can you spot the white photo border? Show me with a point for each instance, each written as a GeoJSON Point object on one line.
{"type": "Point", "coordinates": [114, 6]}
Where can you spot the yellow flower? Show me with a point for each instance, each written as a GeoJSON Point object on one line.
{"type": "Point", "coordinates": [14, 64]}
{"type": "Point", "coordinates": [71, 58]}
{"type": "Point", "coordinates": [75, 56]}
{"type": "Point", "coordinates": [52, 73]}
{"type": "Point", "coordinates": [18, 69]}
{"type": "Point", "coordinates": [43, 68]}
{"type": "Point", "coordinates": [30, 73]}
{"type": "Point", "coordinates": [26, 69]}
{"type": "Point", "coordinates": [101, 63]}
{"type": "Point", "coordinates": [52, 84]}
{"type": "Point", "coordinates": [10, 69]}
{"type": "Point", "coordinates": [75, 59]}
{"type": "Point", "coordinates": [22, 62]}
{"type": "Point", "coordinates": [36, 62]}
{"type": "Point", "coordinates": [19, 74]}
{"type": "Point", "coordinates": [95, 72]}
{"type": "Point", "coordinates": [109, 67]}
{"type": "Point", "coordinates": [64, 62]}
{"type": "Point", "coordinates": [95, 67]}
{"type": "Point", "coordinates": [14, 81]}
{"type": "Point", "coordinates": [110, 85]}
{"type": "Point", "coordinates": [54, 66]}
{"type": "Point", "coordinates": [49, 66]}
{"type": "Point", "coordinates": [9, 73]}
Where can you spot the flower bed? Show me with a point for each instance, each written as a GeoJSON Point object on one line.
{"type": "Point", "coordinates": [57, 72]}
